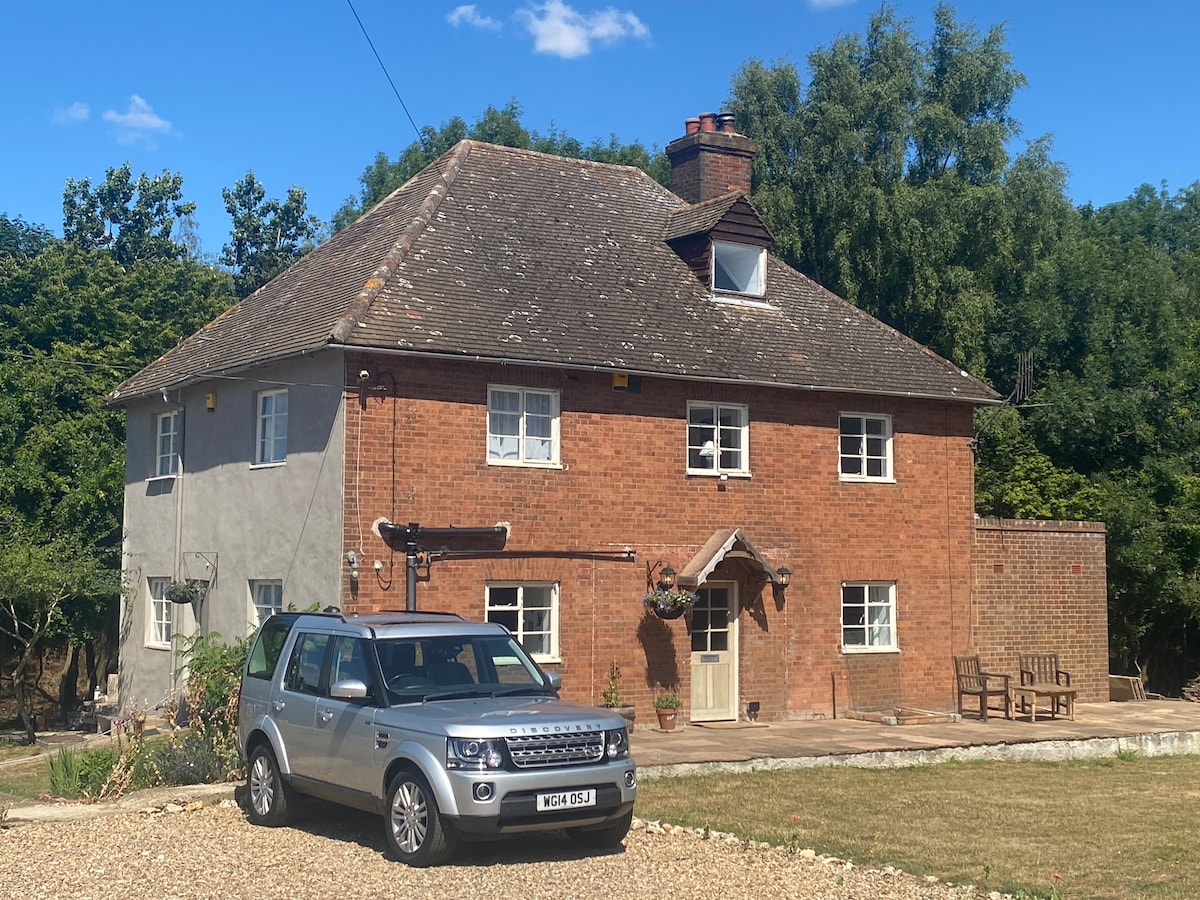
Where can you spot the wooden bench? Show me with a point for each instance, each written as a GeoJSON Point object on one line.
{"type": "Point", "coordinates": [972, 681]}
{"type": "Point", "coordinates": [1060, 697]}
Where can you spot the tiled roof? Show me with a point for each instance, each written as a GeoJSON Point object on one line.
{"type": "Point", "coordinates": [507, 254]}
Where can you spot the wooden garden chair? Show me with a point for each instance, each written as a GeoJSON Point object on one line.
{"type": "Point", "coordinates": [1043, 668]}
{"type": "Point", "coordinates": [974, 682]}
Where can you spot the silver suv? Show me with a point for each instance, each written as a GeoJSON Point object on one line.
{"type": "Point", "coordinates": [444, 726]}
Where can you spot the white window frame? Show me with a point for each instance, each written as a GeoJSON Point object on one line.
{"type": "Point", "coordinates": [744, 265]}
{"type": "Point", "coordinates": [166, 464]}
{"type": "Point", "coordinates": [877, 601]}
{"type": "Point", "coordinates": [523, 418]}
{"type": "Point", "coordinates": [865, 454]}
{"type": "Point", "coordinates": [266, 597]}
{"type": "Point", "coordinates": [712, 440]}
{"type": "Point", "coordinates": [271, 428]}
{"type": "Point", "coordinates": [520, 633]}
{"type": "Point", "coordinates": [161, 615]}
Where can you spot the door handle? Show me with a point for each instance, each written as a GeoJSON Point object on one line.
{"type": "Point", "coordinates": [277, 705]}
{"type": "Point", "coordinates": [326, 715]}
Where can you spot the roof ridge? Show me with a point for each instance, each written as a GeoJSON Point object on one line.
{"type": "Point", "coordinates": [361, 304]}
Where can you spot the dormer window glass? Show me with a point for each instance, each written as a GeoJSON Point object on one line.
{"type": "Point", "coordinates": [738, 268]}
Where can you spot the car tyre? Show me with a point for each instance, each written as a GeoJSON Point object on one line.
{"type": "Point", "coordinates": [416, 832]}
{"type": "Point", "coordinates": [603, 837]}
{"type": "Point", "coordinates": [268, 797]}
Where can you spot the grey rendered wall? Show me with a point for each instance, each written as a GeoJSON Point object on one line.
{"type": "Point", "coordinates": [227, 520]}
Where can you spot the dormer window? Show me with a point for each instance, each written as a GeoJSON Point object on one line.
{"type": "Point", "coordinates": [738, 268]}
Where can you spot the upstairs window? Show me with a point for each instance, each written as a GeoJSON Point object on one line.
{"type": "Point", "coordinates": [272, 427]}
{"type": "Point", "coordinates": [865, 447]}
{"type": "Point", "coordinates": [167, 450]}
{"type": "Point", "coordinates": [738, 268]}
{"type": "Point", "coordinates": [717, 439]}
{"type": "Point", "coordinates": [522, 426]}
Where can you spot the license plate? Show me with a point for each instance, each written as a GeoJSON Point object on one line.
{"type": "Point", "coordinates": [566, 800]}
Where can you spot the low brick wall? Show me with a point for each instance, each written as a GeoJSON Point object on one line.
{"type": "Point", "coordinates": [1041, 586]}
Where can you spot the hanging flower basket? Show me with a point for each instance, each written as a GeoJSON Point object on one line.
{"type": "Point", "coordinates": [184, 592]}
{"type": "Point", "coordinates": [669, 604]}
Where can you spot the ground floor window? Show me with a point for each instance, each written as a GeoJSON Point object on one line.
{"type": "Point", "coordinates": [869, 616]}
{"type": "Point", "coordinates": [530, 612]}
{"type": "Point", "coordinates": [160, 612]}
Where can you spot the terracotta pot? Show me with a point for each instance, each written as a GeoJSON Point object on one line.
{"type": "Point", "coordinates": [667, 718]}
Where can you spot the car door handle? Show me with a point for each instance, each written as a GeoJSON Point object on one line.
{"type": "Point", "coordinates": [326, 715]}
{"type": "Point", "coordinates": [277, 705]}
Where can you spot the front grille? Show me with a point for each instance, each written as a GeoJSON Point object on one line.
{"type": "Point", "coordinates": [540, 751]}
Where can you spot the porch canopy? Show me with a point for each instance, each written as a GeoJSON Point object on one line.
{"type": "Point", "coordinates": [726, 543]}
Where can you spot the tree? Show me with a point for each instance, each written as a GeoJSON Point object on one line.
{"type": "Point", "coordinates": [132, 219]}
{"type": "Point", "coordinates": [19, 239]}
{"type": "Point", "coordinates": [268, 236]}
{"type": "Point", "coordinates": [38, 575]}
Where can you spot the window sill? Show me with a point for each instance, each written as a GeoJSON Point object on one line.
{"type": "Point", "coordinates": [857, 479]}
{"type": "Point", "coordinates": [154, 478]}
{"type": "Point", "coordinates": [268, 465]}
{"type": "Point", "coordinates": [546, 660]}
{"type": "Point", "coordinates": [524, 464]}
{"type": "Point", "coordinates": [860, 651]}
{"type": "Point", "coordinates": [757, 301]}
{"type": "Point", "coordinates": [151, 645]}
{"type": "Point", "coordinates": [713, 473]}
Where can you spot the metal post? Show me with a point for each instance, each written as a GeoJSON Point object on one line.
{"type": "Point", "coordinates": [410, 567]}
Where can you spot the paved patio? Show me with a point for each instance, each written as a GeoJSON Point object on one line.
{"type": "Point", "coordinates": [1149, 728]}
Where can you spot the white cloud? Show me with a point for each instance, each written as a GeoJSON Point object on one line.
{"type": "Point", "coordinates": [470, 15]}
{"type": "Point", "coordinates": [66, 115]}
{"type": "Point", "coordinates": [138, 123]}
{"type": "Point", "coordinates": [560, 30]}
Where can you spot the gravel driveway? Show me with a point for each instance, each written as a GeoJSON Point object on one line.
{"type": "Point", "coordinates": [210, 850]}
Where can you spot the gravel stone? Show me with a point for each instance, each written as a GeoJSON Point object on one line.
{"type": "Point", "coordinates": [193, 849]}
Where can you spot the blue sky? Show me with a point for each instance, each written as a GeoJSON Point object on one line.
{"type": "Point", "coordinates": [213, 88]}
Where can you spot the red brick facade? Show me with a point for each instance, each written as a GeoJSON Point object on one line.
{"type": "Point", "coordinates": [1041, 586]}
{"type": "Point", "coordinates": [416, 452]}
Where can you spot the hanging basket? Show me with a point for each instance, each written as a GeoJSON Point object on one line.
{"type": "Point", "coordinates": [669, 604]}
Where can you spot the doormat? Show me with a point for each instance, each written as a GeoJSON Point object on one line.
{"type": "Point", "coordinates": [728, 725]}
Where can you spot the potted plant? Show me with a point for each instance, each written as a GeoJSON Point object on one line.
{"type": "Point", "coordinates": [669, 603]}
{"type": "Point", "coordinates": [612, 694]}
{"type": "Point", "coordinates": [666, 707]}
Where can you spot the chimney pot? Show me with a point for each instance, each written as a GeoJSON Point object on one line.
{"type": "Point", "coordinates": [691, 126]}
{"type": "Point", "coordinates": [708, 121]}
{"type": "Point", "coordinates": [725, 123]}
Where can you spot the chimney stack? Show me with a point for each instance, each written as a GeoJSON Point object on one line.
{"type": "Point", "coordinates": [711, 159]}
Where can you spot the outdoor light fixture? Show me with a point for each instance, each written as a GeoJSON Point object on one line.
{"type": "Point", "coordinates": [784, 576]}
{"type": "Point", "coordinates": [352, 559]}
{"type": "Point", "coordinates": [666, 576]}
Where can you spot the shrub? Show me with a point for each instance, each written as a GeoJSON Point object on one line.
{"type": "Point", "coordinates": [63, 768]}
{"type": "Point", "coordinates": [95, 768]}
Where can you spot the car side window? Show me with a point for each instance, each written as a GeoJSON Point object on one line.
{"type": "Point", "coordinates": [307, 660]}
{"type": "Point", "coordinates": [269, 646]}
{"type": "Point", "coordinates": [349, 661]}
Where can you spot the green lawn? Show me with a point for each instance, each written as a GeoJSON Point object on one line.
{"type": "Point", "coordinates": [1110, 828]}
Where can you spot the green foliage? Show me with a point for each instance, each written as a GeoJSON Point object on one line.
{"type": "Point", "coordinates": [21, 240]}
{"type": "Point", "coordinates": [81, 774]}
{"type": "Point", "coordinates": [667, 700]}
{"type": "Point", "coordinates": [612, 693]}
{"type": "Point", "coordinates": [268, 235]}
{"type": "Point", "coordinates": [63, 768]}
{"type": "Point", "coordinates": [213, 681]}
{"type": "Point", "coordinates": [131, 218]}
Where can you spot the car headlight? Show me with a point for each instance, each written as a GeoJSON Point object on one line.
{"type": "Point", "coordinates": [616, 744]}
{"type": "Point", "coordinates": [471, 753]}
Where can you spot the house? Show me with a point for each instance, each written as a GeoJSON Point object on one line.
{"type": "Point", "coordinates": [625, 376]}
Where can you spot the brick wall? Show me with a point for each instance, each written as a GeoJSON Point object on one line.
{"type": "Point", "coordinates": [416, 452]}
{"type": "Point", "coordinates": [1041, 586]}
{"type": "Point", "coordinates": [710, 164]}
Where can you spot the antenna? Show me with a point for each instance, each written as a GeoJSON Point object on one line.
{"type": "Point", "coordinates": [1021, 390]}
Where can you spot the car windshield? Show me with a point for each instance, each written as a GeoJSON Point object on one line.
{"type": "Point", "coordinates": [458, 667]}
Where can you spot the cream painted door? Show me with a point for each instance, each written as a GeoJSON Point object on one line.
{"type": "Point", "coordinates": [714, 654]}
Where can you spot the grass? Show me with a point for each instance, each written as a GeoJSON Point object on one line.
{"type": "Point", "coordinates": [1111, 828]}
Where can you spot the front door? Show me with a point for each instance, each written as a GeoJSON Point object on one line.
{"type": "Point", "coordinates": [714, 654]}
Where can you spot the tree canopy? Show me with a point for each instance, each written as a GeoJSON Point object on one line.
{"type": "Point", "coordinates": [268, 235]}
